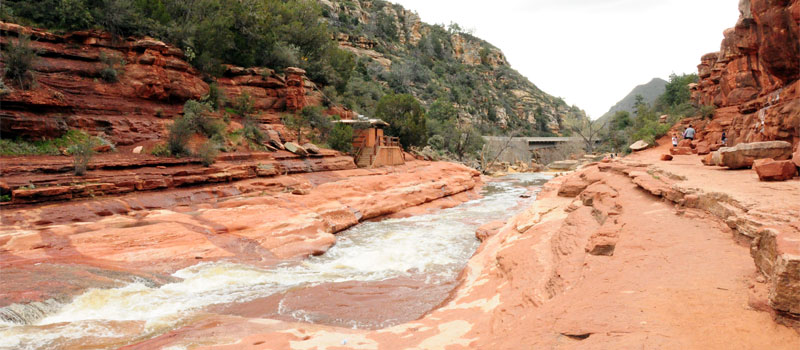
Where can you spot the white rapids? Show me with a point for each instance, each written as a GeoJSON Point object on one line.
{"type": "Point", "coordinates": [437, 245]}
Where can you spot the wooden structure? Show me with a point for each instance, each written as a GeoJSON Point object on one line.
{"type": "Point", "coordinates": [372, 148]}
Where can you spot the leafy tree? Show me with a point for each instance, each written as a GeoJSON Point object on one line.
{"type": "Point", "coordinates": [406, 118]}
{"type": "Point", "coordinates": [320, 123]}
{"type": "Point", "coordinates": [19, 59]}
{"type": "Point", "coordinates": [341, 138]}
{"type": "Point", "coordinates": [621, 120]}
{"type": "Point", "coordinates": [677, 90]}
{"type": "Point", "coordinates": [442, 110]}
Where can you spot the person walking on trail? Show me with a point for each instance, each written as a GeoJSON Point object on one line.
{"type": "Point", "coordinates": [724, 139]}
{"type": "Point", "coordinates": [674, 140]}
{"type": "Point", "coordinates": [688, 134]}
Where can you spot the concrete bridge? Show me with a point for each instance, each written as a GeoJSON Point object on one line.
{"type": "Point", "coordinates": [534, 142]}
{"type": "Point", "coordinates": [524, 148]}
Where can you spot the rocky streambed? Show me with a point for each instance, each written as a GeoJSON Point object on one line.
{"type": "Point", "coordinates": [409, 262]}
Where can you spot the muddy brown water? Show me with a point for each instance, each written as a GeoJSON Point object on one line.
{"type": "Point", "coordinates": [377, 275]}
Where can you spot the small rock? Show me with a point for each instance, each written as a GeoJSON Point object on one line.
{"type": "Point", "coordinates": [691, 201]}
{"type": "Point", "coordinates": [680, 151]}
{"type": "Point", "coordinates": [102, 148]}
{"type": "Point", "coordinates": [4, 188]}
{"type": "Point", "coordinates": [138, 149]}
{"type": "Point", "coordinates": [489, 229]}
{"type": "Point", "coordinates": [300, 191]}
{"type": "Point", "coordinates": [666, 157]}
{"type": "Point", "coordinates": [761, 279]}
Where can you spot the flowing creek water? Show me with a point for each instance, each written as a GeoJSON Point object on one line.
{"type": "Point", "coordinates": [378, 274]}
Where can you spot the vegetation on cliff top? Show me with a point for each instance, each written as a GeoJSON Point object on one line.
{"type": "Point", "coordinates": [623, 128]}
{"type": "Point", "coordinates": [379, 49]}
{"type": "Point", "coordinates": [398, 53]}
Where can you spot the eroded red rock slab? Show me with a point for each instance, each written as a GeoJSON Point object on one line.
{"type": "Point", "coordinates": [161, 233]}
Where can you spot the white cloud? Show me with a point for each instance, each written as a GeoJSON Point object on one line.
{"type": "Point", "coordinates": [591, 52]}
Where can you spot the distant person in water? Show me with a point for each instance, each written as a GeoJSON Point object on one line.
{"type": "Point", "coordinates": [688, 134]}
{"type": "Point", "coordinates": [724, 139]}
{"type": "Point", "coordinates": [674, 140]}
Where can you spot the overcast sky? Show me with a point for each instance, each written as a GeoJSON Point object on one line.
{"type": "Point", "coordinates": [591, 52]}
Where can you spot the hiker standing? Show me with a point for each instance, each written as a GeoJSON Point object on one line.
{"type": "Point", "coordinates": [724, 139]}
{"type": "Point", "coordinates": [688, 134]}
{"type": "Point", "coordinates": [674, 140]}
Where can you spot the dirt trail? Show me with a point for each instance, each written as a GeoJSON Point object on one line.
{"type": "Point", "coordinates": [675, 281]}
{"type": "Point", "coordinates": [614, 267]}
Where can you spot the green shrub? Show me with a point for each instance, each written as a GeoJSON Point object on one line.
{"type": "Point", "coordinates": [436, 142]}
{"type": "Point", "coordinates": [215, 98]}
{"type": "Point", "coordinates": [252, 132]}
{"type": "Point", "coordinates": [341, 138]}
{"type": "Point", "coordinates": [5, 198]}
{"type": "Point", "coordinates": [200, 120]}
{"type": "Point", "coordinates": [82, 152]}
{"type": "Point", "coordinates": [244, 105]}
{"type": "Point", "coordinates": [179, 134]}
{"type": "Point", "coordinates": [161, 150]}
{"type": "Point", "coordinates": [19, 58]}
{"type": "Point", "coordinates": [207, 152]}
{"type": "Point", "coordinates": [112, 68]}
{"type": "Point", "coordinates": [295, 123]}
{"type": "Point", "coordinates": [707, 111]}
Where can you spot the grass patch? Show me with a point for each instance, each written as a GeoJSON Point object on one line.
{"type": "Point", "coordinates": [52, 147]}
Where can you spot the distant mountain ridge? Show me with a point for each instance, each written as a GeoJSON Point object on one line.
{"type": "Point", "coordinates": [398, 52]}
{"type": "Point", "coordinates": [649, 91]}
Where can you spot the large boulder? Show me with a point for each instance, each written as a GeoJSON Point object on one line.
{"type": "Point", "coordinates": [703, 148]}
{"type": "Point", "coordinates": [742, 155]}
{"type": "Point", "coordinates": [296, 149]}
{"type": "Point", "coordinates": [311, 148]}
{"type": "Point", "coordinates": [274, 139]}
{"type": "Point", "coordinates": [716, 158]}
{"type": "Point", "coordinates": [639, 145]}
{"type": "Point", "coordinates": [772, 170]}
{"type": "Point", "coordinates": [685, 143]}
{"type": "Point", "coordinates": [564, 165]}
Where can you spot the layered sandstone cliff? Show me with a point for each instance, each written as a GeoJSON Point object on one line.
{"type": "Point", "coordinates": [154, 80]}
{"type": "Point", "coordinates": [753, 79]}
